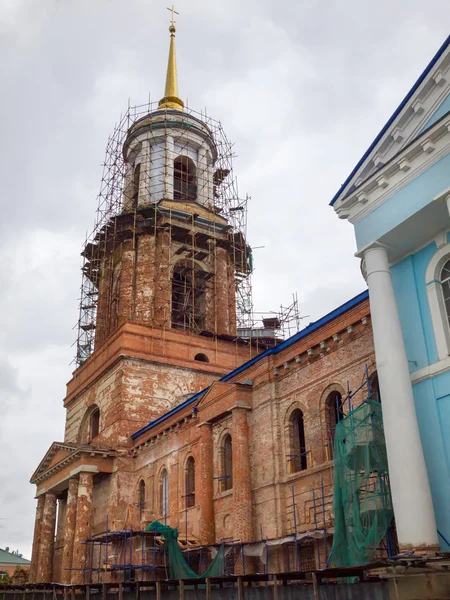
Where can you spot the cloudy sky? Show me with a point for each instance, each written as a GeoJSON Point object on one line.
{"type": "Point", "coordinates": [300, 87]}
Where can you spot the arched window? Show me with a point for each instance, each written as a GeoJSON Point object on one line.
{"type": "Point", "coordinates": [190, 482]}
{"type": "Point", "coordinates": [184, 179]}
{"type": "Point", "coordinates": [375, 388]}
{"type": "Point", "coordinates": [437, 281]}
{"type": "Point", "coordinates": [445, 282]}
{"type": "Point", "coordinates": [141, 499]}
{"type": "Point", "coordinates": [334, 414]}
{"type": "Point", "coordinates": [94, 423]}
{"type": "Point", "coordinates": [298, 457]}
{"type": "Point", "coordinates": [201, 357]}
{"type": "Point", "coordinates": [164, 494]}
{"type": "Point", "coordinates": [227, 464]}
{"type": "Point", "coordinates": [136, 178]}
{"type": "Point", "coordinates": [188, 297]}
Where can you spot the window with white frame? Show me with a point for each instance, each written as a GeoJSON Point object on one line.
{"type": "Point", "coordinates": [437, 281]}
{"type": "Point", "coordinates": [445, 283]}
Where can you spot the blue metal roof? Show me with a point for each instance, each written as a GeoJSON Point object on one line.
{"type": "Point", "coordinates": [394, 116]}
{"type": "Point", "coordinates": [295, 338]}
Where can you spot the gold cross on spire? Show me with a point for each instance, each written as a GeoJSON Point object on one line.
{"type": "Point", "coordinates": [170, 99]}
{"type": "Point", "coordinates": [174, 12]}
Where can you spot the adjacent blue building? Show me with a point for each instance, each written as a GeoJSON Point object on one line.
{"type": "Point", "coordinates": [398, 199]}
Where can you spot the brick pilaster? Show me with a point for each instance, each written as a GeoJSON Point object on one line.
{"type": "Point", "coordinates": [242, 496]}
{"type": "Point", "coordinates": [204, 485]}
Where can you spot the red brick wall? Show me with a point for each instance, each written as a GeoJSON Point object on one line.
{"type": "Point", "coordinates": [133, 391]}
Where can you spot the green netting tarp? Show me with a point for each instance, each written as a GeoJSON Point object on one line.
{"type": "Point", "coordinates": [362, 502]}
{"type": "Point", "coordinates": [178, 567]}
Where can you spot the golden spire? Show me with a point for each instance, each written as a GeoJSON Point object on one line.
{"type": "Point", "coordinates": [171, 99]}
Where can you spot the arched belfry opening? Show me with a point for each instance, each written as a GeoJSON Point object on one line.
{"type": "Point", "coordinates": [135, 188]}
{"type": "Point", "coordinates": [189, 297]}
{"type": "Point", "coordinates": [184, 179]}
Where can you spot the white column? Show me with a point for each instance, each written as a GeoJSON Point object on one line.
{"type": "Point", "coordinates": [411, 496]}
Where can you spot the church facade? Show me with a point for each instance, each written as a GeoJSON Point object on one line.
{"type": "Point", "coordinates": [398, 199]}
{"type": "Point", "coordinates": [170, 414]}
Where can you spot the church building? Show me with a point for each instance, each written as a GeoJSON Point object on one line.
{"type": "Point", "coordinates": [177, 410]}
{"type": "Point", "coordinates": [398, 199]}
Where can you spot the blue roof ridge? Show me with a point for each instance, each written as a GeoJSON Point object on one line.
{"type": "Point", "coordinates": [343, 308]}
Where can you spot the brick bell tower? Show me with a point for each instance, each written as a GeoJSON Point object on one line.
{"type": "Point", "coordinates": [169, 259]}
{"type": "Point", "coordinates": [162, 271]}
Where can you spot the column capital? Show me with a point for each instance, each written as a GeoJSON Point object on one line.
{"type": "Point", "coordinates": [444, 196]}
{"type": "Point", "coordinates": [374, 258]}
{"type": "Point", "coordinates": [238, 406]}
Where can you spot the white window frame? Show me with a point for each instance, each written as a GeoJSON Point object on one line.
{"type": "Point", "coordinates": [436, 301]}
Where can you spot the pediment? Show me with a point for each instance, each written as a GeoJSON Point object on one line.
{"type": "Point", "coordinates": [57, 452]}
{"type": "Point", "coordinates": [426, 103]}
{"type": "Point", "coordinates": [215, 391]}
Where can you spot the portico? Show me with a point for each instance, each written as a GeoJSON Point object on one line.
{"type": "Point", "coordinates": [66, 474]}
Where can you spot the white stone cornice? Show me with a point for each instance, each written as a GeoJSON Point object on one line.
{"type": "Point", "coordinates": [397, 135]}
{"type": "Point", "coordinates": [439, 78]}
{"type": "Point", "coordinates": [418, 107]}
{"type": "Point", "coordinates": [409, 122]}
{"type": "Point", "coordinates": [409, 164]}
{"type": "Point", "coordinates": [404, 164]}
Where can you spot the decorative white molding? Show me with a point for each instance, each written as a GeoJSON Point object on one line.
{"type": "Point", "coordinates": [382, 181]}
{"type": "Point", "coordinates": [439, 78]}
{"type": "Point", "coordinates": [436, 301]}
{"type": "Point", "coordinates": [441, 239]}
{"type": "Point", "coordinates": [84, 469]}
{"type": "Point", "coordinates": [362, 197]}
{"type": "Point", "coordinates": [404, 165]}
{"type": "Point", "coordinates": [397, 135]}
{"type": "Point", "coordinates": [418, 107]}
{"type": "Point", "coordinates": [431, 371]}
{"type": "Point", "coordinates": [323, 345]}
{"type": "Point", "coordinates": [428, 147]}
{"type": "Point", "coordinates": [310, 352]}
{"type": "Point", "coordinates": [378, 160]}
{"type": "Point", "coordinates": [415, 163]}
{"type": "Point", "coordinates": [410, 121]}
{"type": "Point", "coordinates": [336, 337]}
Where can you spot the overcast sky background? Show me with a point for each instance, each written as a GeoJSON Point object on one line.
{"type": "Point", "coordinates": [300, 87]}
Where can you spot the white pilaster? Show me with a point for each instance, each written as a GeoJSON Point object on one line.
{"type": "Point", "coordinates": [411, 496]}
{"type": "Point", "coordinates": [128, 187]}
{"type": "Point", "coordinates": [168, 167]}
{"type": "Point", "coordinates": [144, 176]}
{"type": "Point", "coordinates": [202, 177]}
